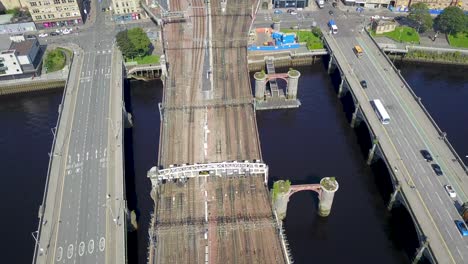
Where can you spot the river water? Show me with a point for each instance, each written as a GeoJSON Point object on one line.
{"type": "Point", "coordinates": [302, 145]}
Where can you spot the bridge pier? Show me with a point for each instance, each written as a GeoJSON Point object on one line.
{"type": "Point", "coordinates": [128, 122]}
{"type": "Point", "coordinates": [282, 190]}
{"type": "Point", "coordinates": [372, 151]}
{"type": "Point", "coordinates": [356, 119]}
{"type": "Point", "coordinates": [420, 252]}
{"type": "Point", "coordinates": [260, 84]}
{"type": "Point", "coordinates": [293, 80]}
{"type": "Point", "coordinates": [331, 64]}
{"type": "Point", "coordinates": [341, 88]}
{"type": "Point", "coordinates": [162, 60]}
{"type": "Point", "coordinates": [394, 196]}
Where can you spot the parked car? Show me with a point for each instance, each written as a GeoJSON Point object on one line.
{"type": "Point", "coordinates": [450, 191]}
{"type": "Point", "coordinates": [427, 156]}
{"type": "Point", "coordinates": [54, 33]}
{"type": "Point", "coordinates": [278, 12]}
{"type": "Point", "coordinates": [462, 227]}
{"type": "Point", "coordinates": [437, 169]}
{"type": "Point", "coordinates": [364, 84]}
{"type": "Point", "coordinates": [290, 10]}
{"type": "Point", "coordinates": [66, 31]}
{"type": "Point", "coordinates": [293, 13]}
{"type": "Point", "coordinates": [330, 12]}
{"type": "Point", "coordinates": [43, 35]}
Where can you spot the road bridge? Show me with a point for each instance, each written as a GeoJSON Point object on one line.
{"type": "Point", "coordinates": [82, 218]}
{"type": "Point", "coordinates": [398, 144]}
{"type": "Point", "coordinates": [211, 201]}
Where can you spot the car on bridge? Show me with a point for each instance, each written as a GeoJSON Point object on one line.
{"type": "Point", "coordinates": [462, 227]}
{"type": "Point", "coordinates": [437, 169]}
{"type": "Point", "coordinates": [450, 191]}
{"type": "Point", "coordinates": [363, 84]}
{"type": "Point", "coordinates": [427, 156]}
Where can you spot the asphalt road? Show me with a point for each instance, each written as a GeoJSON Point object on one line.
{"type": "Point", "coordinates": [409, 132]}
{"type": "Point", "coordinates": [81, 228]}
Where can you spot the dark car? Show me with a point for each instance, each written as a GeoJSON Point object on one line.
{"type": "Point", "coordinates": [334, 4]}
{"type": "Point", "coordinates": [54, 34]}
{"type": "Point", "coordinates": [427, 156]}
{"type": "Point", "coordinates": [462, 227]}
{"type": "Point", "coordinates": [330, 12]}
{"type": "Point", "coordinates": [103, 9]}
{"type": "Point", "coordinates": [364, 84]}
{"type": "Point", "coordinates": [437, 169]}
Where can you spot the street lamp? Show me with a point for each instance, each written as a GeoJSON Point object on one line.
{"type": "Point", "coordinates": [41, 250]}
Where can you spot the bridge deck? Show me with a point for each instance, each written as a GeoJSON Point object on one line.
{"type": "Point", "coordinates": [200, 135]}
{"type": "Point", "coordinates": [235, 214]}
{"type": "Point", "coordinates": [231, 218]}
{"type": "Point", "coordinates": [410, 130]}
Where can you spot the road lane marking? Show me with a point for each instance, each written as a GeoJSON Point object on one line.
{"type": "Point", "coordinates": [439, 198]}
{"type": "Point", "coordinates": [102, 244]}
{"type": "Point", "coordinates": [87, 155]}
{"type": "Point", "coordinates": [459, 253]}
{"type": "Point", "coordinates": [70, 251]}
{"type": "Point", "coordinates": [91, 246]}
{"type": "Point", "coordinates": [59, 253]}
{"type": "Point", "coordinates": [78, 157]}
{"type": "Point", "coordinates": [81, 248]}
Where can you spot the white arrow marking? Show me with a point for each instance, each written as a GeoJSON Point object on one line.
{"type": "Point", "coordinates": [87, 155]}
{"type": "Point", "coordinates": [91, 246]}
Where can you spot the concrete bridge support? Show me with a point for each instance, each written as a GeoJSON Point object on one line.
{"type": "Point", "coordinates": [372, 151]}
{"type": "Point", "coordinates": [342, 88]}
{"type": "Point", "coordinates": [331, 64]}
{"type": "Point", "coordinates": [293, 81]}
{"type": "Point", "coordinates": [394, 196]}
{"type": "Point", "coordinates": [356, 118]}
{"type": "Point", "coordinates": [260, 85]}
{"type": "Point", "coordinates": [127, 117]}
{"type": "Point", "coordinates": [420, 251]}
{"type": "Point", "coordinates": [282, 190]}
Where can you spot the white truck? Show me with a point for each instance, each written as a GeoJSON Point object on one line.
{"type": "Point", "coordinates": [320, 3]}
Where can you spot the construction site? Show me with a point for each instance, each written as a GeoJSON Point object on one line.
{"type": "Point", "coordinates": [208, 121]}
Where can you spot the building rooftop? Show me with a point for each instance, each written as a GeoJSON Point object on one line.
{"type": "Point", "coordinates": [5, 42]}
{"type": "Point", "coordinates": [5, 19]}
{"type": "Point", "coordinates": [23, 47]}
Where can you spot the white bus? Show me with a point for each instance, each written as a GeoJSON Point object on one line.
{"type": "Point", "coordinates": [380, 111]}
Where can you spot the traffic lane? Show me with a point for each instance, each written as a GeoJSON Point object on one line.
{"type": "Point", "coordinates": [408, 150]}
{"type": "Point", "coordinates": [68, 213]}
{"type": "Point", "coordinates": [88, 211]}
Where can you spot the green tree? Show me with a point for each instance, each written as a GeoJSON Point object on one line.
{"type": "Point", "coordinates": [419, 13]}
{"type": "Point", "coordinates": [452, 20]}
{"type": "Point", "coordinates": [140, 41]}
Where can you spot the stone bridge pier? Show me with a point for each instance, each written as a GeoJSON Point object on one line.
{"type": "Point", "coordinates": [326, 189]}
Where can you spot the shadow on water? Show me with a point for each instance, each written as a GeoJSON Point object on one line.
{"type": "Point", "coordinates": [141, 149]}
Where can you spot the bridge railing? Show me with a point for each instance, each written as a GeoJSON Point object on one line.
{"type": "Point", "coordinates": [418, 101]}
{"type": "Point", "coordinates": [51, 157]}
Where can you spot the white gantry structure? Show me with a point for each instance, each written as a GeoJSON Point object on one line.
{"type": "Point", "coordinates": [221, 169]}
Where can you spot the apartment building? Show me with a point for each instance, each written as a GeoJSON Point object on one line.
{"type": "Point", "coordinates": [432, 4]}
{"type": "Point", "coordinates": [126, 9]}
{"type": "Point", "coordinates": [55, 13]}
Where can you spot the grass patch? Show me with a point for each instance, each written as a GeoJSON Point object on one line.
{"type": "Point", "coordinates": [401, 34]}
{"type": "Point", "coordinates": [455, 57]}
{"type": "Point", "coordinates": [459, 40]}
{"type": "Point", "coordinates": [55, 60]}
{"type": "Point", "coordinates": [311, 38]}
{"type": "Point", "coordinates": [280, 187]}
{"type": "Point", "coordinates": [145, 60]}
